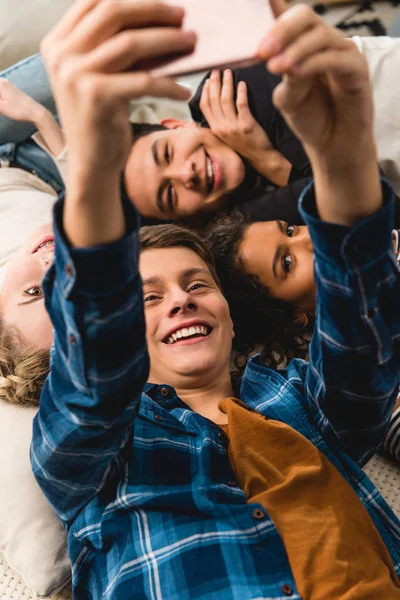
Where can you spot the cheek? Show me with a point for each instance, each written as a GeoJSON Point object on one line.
{"type": "Point", "coordinates": [151, 328]}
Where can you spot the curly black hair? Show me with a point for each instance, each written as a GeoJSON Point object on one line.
{"type": "Point", "coordinates": [262, 323]}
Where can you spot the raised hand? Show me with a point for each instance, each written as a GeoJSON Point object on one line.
{"type": "Point", "coordinates": [235, 125]}
{"type": "Point", "coordinates": [232, 121]}
{"type": "Point", "coordinates": [325, 92]}
{"type": "Point", "coordinates": [98, 58]}
{"type": "Point", "coordinates": [326, 99]}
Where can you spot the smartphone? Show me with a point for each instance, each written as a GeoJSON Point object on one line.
{"type": "Point", "coordinates": [228, 34]}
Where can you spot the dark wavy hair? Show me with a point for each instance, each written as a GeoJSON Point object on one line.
{"type": "Point", "coordinates": [262, 323]}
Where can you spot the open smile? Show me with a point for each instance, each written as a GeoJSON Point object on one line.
{"type": "Point", "coordinates": [184, 335]}
{"type": "Point", "coordinates": [46, 243]}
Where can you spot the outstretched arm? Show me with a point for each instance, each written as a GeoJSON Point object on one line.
{"type": "Point", "coordinates": [94, 293]}
{"type": "Point", "coordinates": [326, 99]}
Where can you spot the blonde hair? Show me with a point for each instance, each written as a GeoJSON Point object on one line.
{"type": "Point", "coordinates": [23, 370]}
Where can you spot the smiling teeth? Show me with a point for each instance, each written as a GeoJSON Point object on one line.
{"type": "Point", "coordinates": [210, 172]}
{"type": "Point", "coordinates": [187, 332]}
{"type": "Point", "coordinates": [48, 243]}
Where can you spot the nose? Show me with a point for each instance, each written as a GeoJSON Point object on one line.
{"type": "Point", "coordinates": [303, 240]}
{"type": "Point", "coordinates": [181, 303]}
{"type": "Point", "coordinates": [184, 173]}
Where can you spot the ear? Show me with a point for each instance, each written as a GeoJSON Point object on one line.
{"type": "Point", "coordinates": [177, 123]}
{"type": "Point", "coordinates": [302, 320]}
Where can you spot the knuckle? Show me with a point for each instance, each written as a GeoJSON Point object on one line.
{"type": "Point", "coordinates": [128, 42]}
{"type": "Point", "coordinates": [144, 80]}
{"type": "Point", "coordinates": [91, 88]}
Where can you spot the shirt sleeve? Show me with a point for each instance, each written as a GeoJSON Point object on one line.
{"type": "Point", "coordinates": [353, 377]}
{"type": "Point", "coordinates": [392, 438]}
{"type": "Point", "coordinates": [99, 364]}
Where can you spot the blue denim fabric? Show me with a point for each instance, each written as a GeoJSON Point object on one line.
{"type": "Point", "coordinates": [140, 481]}
{"type": "Point", "coordinates": [31, 157]}
{"type": "Point", "coordinates": [29, 75]}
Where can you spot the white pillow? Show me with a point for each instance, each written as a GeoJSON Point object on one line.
{"type": "Point", "coordinates": [23, 24]}
{"type": "Point", "coordinates": [32, 539]}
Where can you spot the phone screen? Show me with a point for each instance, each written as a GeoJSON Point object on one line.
{"type": "Point", "coordinates": [228, 34]}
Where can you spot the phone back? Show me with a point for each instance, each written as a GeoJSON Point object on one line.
{"type": "Point", "coordinates": [228, 33]}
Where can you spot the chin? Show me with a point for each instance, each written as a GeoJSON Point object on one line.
{"type": "Point", "coordinates": [195, 365]}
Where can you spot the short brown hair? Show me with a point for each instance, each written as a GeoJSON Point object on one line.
{"type": "Point", "coordinates": [175, 236]}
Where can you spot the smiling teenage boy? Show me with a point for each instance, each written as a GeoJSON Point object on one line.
{"type": "Point", "coordinates": [170, 487]}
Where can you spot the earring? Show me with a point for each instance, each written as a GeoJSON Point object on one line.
{"type": "Point", "coordinates": [301, 320]}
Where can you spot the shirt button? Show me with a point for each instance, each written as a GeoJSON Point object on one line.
{"type": "Point", "coordinates": [232, 483]}
{"type": "Point", "coordinates": [158, 418]}
{"type": "Point", "coordinates": [258, 514]}
{"type": "Point", "coordinates": [287, 590]}
{"type": "Point", "coordinates": [164, 392]}
{"type": "Point", "coordinates": [72, 339]}
{"type": "Point", "coordinates": [68, 270]}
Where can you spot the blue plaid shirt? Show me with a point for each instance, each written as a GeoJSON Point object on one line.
{"type": "Point", "coordinates": [143, 484]}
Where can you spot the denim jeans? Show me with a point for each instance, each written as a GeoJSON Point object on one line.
{"type": "Point", "coordinates": [29, 156]}
{"type": "Point", "coordinates": [29, 75]}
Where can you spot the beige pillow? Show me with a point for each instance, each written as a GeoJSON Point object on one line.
{"type": "Point", "coordinates": [32, 539]}
{"type": "Point", "coordinates": [24, 23]}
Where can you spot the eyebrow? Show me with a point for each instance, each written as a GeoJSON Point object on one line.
{"type": "Point", "coordinates": [186, 274]}
{"type": "Point", "coordinates": [30, 301]}
{"type": "Point", "coordinates": [159, 198]}
{"type": "Point", "coordinates": [278, 251]}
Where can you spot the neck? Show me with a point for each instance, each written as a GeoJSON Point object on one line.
{"type": "Point", "coordinates": [204, 396]}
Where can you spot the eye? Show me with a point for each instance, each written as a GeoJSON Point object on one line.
{"type": "Point", "coordinates": [34, 291]}
{"type": "Point", "coordinates": [286, 263]}
{"type": "Point", "coordinates": [167, 154]}
{"type": "Point", "coordinates": [289, 230]}
{"type": "Point", "coordinates": [170, 198]}
{"type": "Point", "coordinates": [196, 286]}
{"type": "Point", "coordinates": [150, 298]}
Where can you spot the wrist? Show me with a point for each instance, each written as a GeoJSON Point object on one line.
{"type": "Point", "coordinates": [273, 166]}
{"type": "Point", "coordinates": [349, 190]}
{"type": "Point", "coordinates": [40, 115]}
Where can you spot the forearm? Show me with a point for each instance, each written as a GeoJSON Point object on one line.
{"type": "Point", "coordinates": [273, 166]}
{"type": "Point", "coordinates": [93, 212]}
{"type": "Point", "coordinates": [49, 129]}
{"type": "Point", "coordinates": [347, 188]}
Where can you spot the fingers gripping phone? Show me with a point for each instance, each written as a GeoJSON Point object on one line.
{"type": "Point", "coordinates": [228, 33]}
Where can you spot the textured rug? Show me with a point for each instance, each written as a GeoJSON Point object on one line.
{"type": "Point", "coordinates": [360, 18]}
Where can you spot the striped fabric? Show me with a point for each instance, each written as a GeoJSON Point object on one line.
{"type": "Point", "coordinates": [142, 484]}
